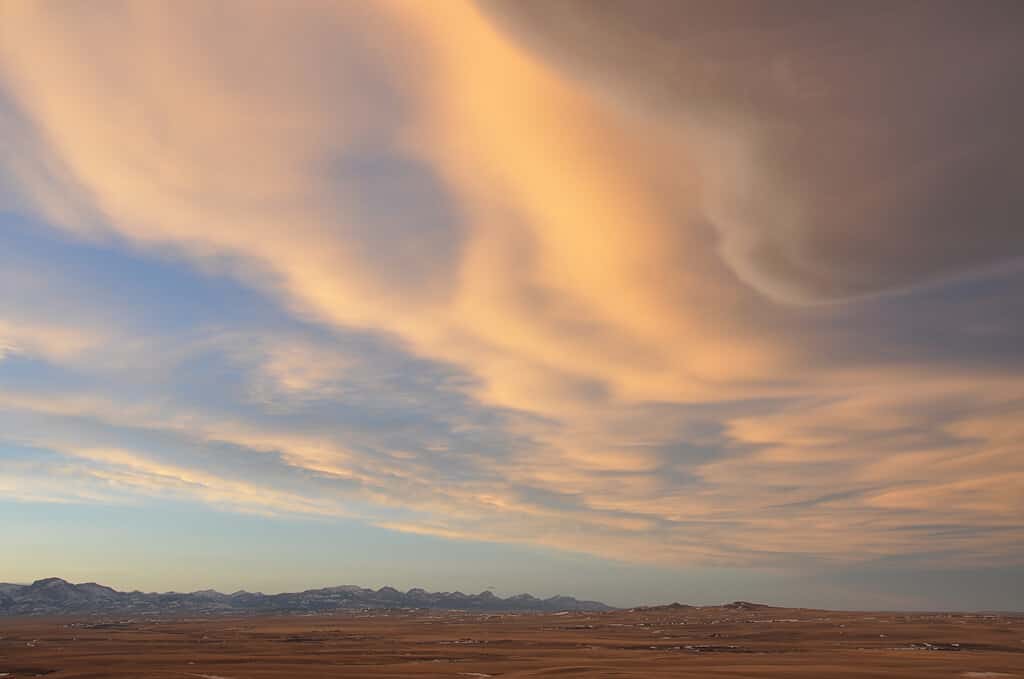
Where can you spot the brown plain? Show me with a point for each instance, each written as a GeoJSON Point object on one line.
{"type": "Point", "coordinates": [665, 642]}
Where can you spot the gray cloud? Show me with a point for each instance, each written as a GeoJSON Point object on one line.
{"type": "Point", "coordinates": [846, 149]}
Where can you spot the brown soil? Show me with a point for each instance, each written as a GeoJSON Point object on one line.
{"type": "Point", "coordinates": [715, 643]}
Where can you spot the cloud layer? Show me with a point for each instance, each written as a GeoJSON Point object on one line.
{"type": "Point", "coordinates": [514, 275]}
{"type": "Point", "coordinates": [845, 150]}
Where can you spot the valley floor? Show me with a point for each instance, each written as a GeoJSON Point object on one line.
{"type": "Point", "coordinates": [666, 642]}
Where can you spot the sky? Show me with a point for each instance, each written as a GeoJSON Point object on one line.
{"type": "Point", "coordinates": [642, 302]}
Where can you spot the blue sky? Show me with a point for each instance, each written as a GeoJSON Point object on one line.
{"type": "Point", "coordinates": [316, 301]}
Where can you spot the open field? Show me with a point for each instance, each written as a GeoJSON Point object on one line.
{"type": "Point", "coordinates": [663, 642]}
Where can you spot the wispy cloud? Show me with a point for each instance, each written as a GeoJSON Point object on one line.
{"type": "Point", "coordinates": [403, 262]}
{"type": "Point", "coordinates": [844, 151]}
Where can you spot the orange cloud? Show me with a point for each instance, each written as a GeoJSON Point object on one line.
{"type": "Point", "coordinates": [577, 285]}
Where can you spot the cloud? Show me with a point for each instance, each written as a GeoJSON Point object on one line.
{"type": "Point", "coordinates": [844, 151]}
{"type": "Point", "coordinates": [45, 339]}
{"type": "Point", "coordinates": [243, 159]}
{"type": "Point", "coordinates": [438, 279]}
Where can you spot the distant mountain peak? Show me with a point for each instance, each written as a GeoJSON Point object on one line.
{"type": "Point", "coordinates": [55, 596]}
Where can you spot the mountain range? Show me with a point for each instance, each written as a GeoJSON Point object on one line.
{"type": "Point", "coordinates": [54, 596]}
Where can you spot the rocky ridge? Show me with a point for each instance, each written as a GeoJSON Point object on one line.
{"type": "Point", "coordinates": [54, 596]}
